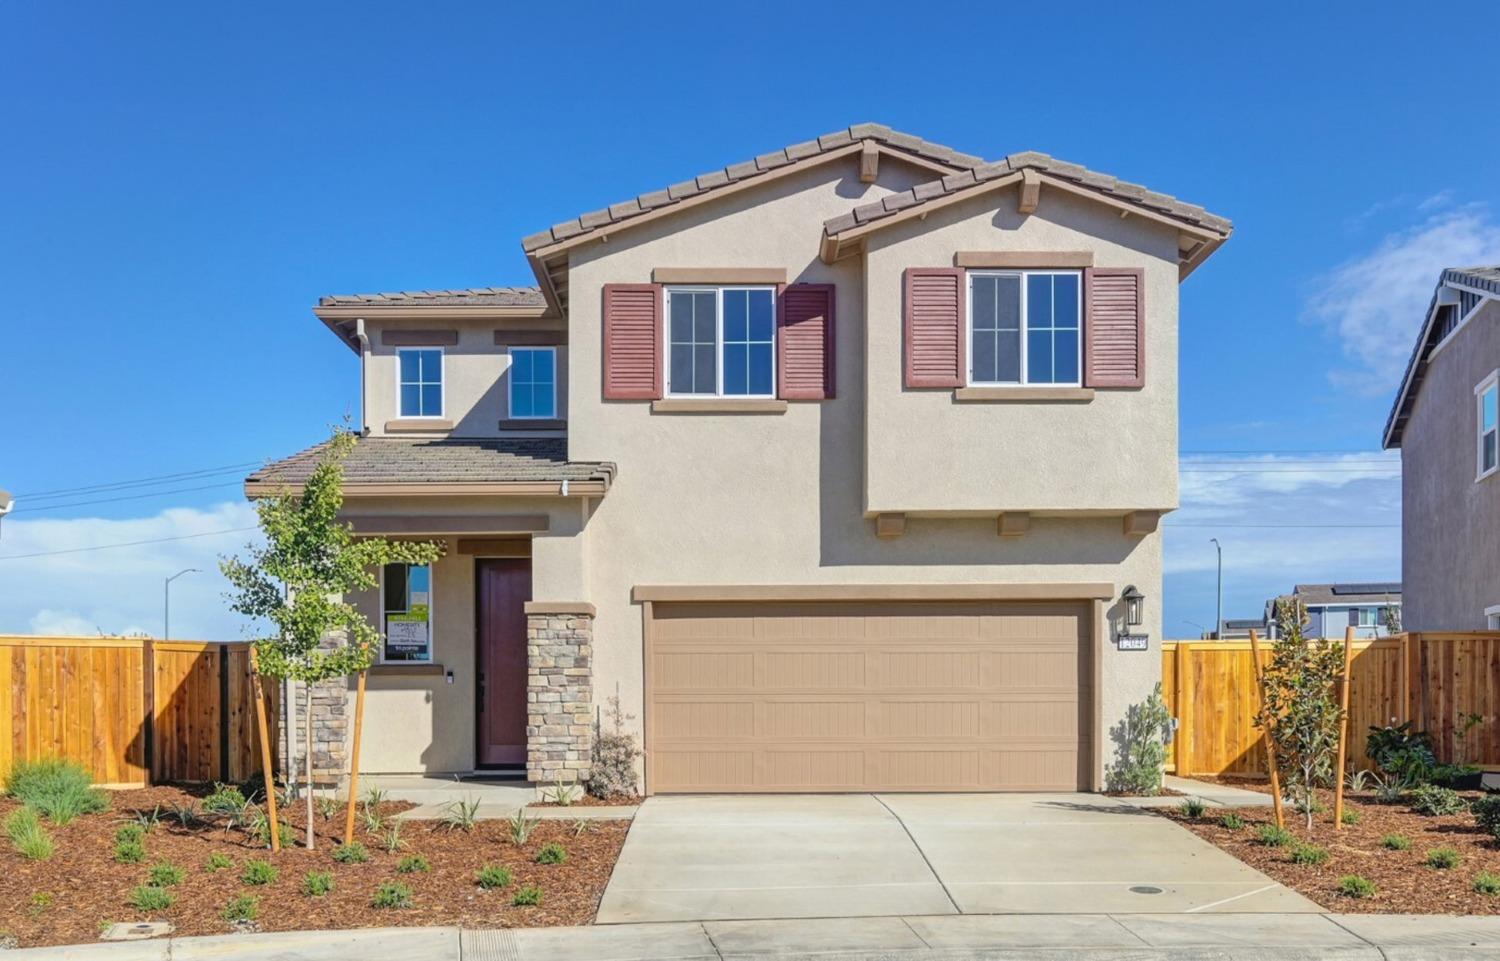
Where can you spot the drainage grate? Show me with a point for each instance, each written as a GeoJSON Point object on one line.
{"type": "Point", "coordinates": [1145, 889]}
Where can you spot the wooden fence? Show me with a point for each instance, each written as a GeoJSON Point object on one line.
{"type": "Point", "coordinates": [1434, 680]}
{"type": "Point", "coordinates": [132, 710]}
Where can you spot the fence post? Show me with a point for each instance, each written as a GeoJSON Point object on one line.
{"type": "Point", "coordinates": [1338, 771]}
{"type": "Point", "coordinates": [1182, 742]}
{"type": "Point", "coordinates": [148, 707]}
{"type": "Point", "coordinates": [224, 713]}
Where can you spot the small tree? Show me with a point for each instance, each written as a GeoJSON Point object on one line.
{"type": "Point", "coordinates": [1301, 707]}
{"type": "Point", "coordinates": [299, 581]}
{"type": "Point", "coordinates": [1142, 740]}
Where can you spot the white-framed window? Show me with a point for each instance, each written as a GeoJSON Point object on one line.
{"type": "Point", "coordinates": [721, 341]}
{"type": "Point", "coordinates": [419, 381]}
{"type": "Point", "coordinates": [1487, 435]}
{"type": "Point", "coordinates": [533, 383]}
{"type": "Point", "coordinates": [1365, 617]}
{"type": "Point", "coordinates": [406, 613]}
{"type": "Point", "coordinates": [1492, 617]}
{"type": "Point", "coordinates": [1025, 327]}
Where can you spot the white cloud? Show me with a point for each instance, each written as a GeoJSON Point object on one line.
{"type": "Point", "coordinates": [119, 590]}
{"type": "Point", "coordinates": [1374, 304]}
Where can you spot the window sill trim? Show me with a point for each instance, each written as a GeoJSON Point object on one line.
{"type": "Point", "coordinates": [533, 423]}
{"type": "Point", "coordinates": [716, 405]}
{"type": "Point", "coordinates": [1023, 395]}
{"type": "Point", "coordinates": [1486, 475]}
{"type": "Point", "coordinates": [399, 669]}
{"type": "Point", "coordinates": [428, 424]}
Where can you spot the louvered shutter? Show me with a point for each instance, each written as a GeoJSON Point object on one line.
{"type": "Point", "coordinates": [805, 347]}
{"type": "Point", "coordinates": [632, 342]}
{"type": "Point", "coordinates": [934, 327]}
{"type": "Point", "coordinates": [1114, 327]}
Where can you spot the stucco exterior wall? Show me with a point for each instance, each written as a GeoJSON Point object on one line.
{"type": "Point", "coordinates": [1450, 558]}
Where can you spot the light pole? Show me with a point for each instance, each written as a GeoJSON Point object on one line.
{"type": "Point", "coordinates": [166, 601]}
{"type": "Point", "coordinates": [1219, 611]}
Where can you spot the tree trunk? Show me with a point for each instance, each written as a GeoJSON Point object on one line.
{"type": "Point", "coordinates": [309, 767]}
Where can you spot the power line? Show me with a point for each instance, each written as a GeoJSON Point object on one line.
{"type": "Point", "coordinates": [152, 481]}
{"type": "Point", "coordinates": [105, 547]}
{"type": "Point", "coordinates": [127, 497]}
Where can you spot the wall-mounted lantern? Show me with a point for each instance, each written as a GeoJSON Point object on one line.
{"type": "Point", "coordinates": [1135, 606]}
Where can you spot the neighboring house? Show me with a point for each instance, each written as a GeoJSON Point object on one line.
{"type": "Point", "coordinates": [1444, 420]}
{"type": "Point", "coordinates": [835, 465]}
{"type": "Point", "coordinates": [1331, 608]}
{"type": "Point", "coordinates": [1238, 628]}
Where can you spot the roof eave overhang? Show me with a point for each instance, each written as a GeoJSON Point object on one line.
{"type": "Point", "coordinates": [342, 318]}
{"type": "Point", "coordinates": [254, 490]}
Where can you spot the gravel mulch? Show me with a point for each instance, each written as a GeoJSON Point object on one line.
{"type": "Point", "coordinates": [72, 896]}
{"type": "Point", "coordinates": [1404, 883]}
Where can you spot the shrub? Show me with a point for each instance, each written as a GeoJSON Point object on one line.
{"type": "Point", "coordinates": [148, 897]}
{"type": "Point", "coordinates": [1395, 842]}
{"type": "Point", "coordinates": [553, 853]}
{"type": "Point", "coordinates": [493, 876]}
{"type": "Point", "coordinates": [529, 895]}
{"type": "Point", "coordinates": [392, 894]}
{"type": "Point", "coordinates": [612, 767]}
{"type": "Point", "coordinates": [225, 799]}
{"type": "Point", "coordinates": [461, 815]}
{"type": "Point", "coordinates": [165, 874]}
{"type": "Point", "coordinates": [58, 790]}
{"type": "Point", "coordinates": [1142, 740]}
{"type": "Point", "coordinates": [391, 839]}
{"type": "Point", "coordinates": [258, 872]}
{"type": "Point", "coordinates": [187, 815]}
{"type": "Point", "coordinates": [1390, 789]}
{"type": "Point", "coordinates": [1402, 752]}
{"type": "Point", "coordinates": [315, 884]}
{"type": "Point", "coordinates": [27, 835]}
{"type": "Point", "coordinates": [1432, 800]}
{"type": "Point", "coordinates": [351, 853]}
{"type": "Point", "coordinates": [1231, 821]}
{"type": "Point", "coordinates": [1487, 814]}
{"type": "Point", "coordinates": [1309, 854]}
{"type": "Point", "coordinates": [130, 852]}
{"type": "Point", "coordinates": [1192, 808]}
{"type": "Point", "coordinates": [521, 826]}
{"type": "Point", "coordinates": [1355, 886]}
{"type": "Point", "coordinates": [1443, 858]}
{"type": "Point", "coordinates": [1273, 837]}
{"type": "Point", "coordinates": [413, 864]}
{"type": "Point", "coordinates": [131, 832]}
{"type": "Point", "coordinates": [218, 861]}
{"type": "Point", "coordinates": [328, 807]}
{"type": "Point", "coordinates": [1486, 883]}
{"type": "Point", "coordinates": [148, 820]}
{"type": "Point", "coordinates": [260, 827]}
{"type": "Point", "coordinates": [241, 907]}
{"type": "Point", "coordinates": [1350, 816]}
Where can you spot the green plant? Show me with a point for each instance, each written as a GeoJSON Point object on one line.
{"type": "Point", "coordinates": [165, 874]}
{"type": "Point", "coordinates": [1354, 886]}
{"type": "Point", "coordinates": [1141, 755]}
{"type": "Point", "coordinates": [391, 839]}
{"type": "Point", "coordinates": [521, 826]}
{"type": "Point", "coordinates": [1350, 816]}
{"type": "Point", "coordinates": [218, 861]}
{"type": "Point", "coordinates": [1486, 883]}
{"type": "Point", "coordinates": [493, 876]}
{"type": "Point", "coordinates": [1192, 807]}
{"type": "Point", "coordinates": [129, 852]}
{"type": "Point", "coordinates": [1402, 752]}
{"type": "Point", "coordinates": [27, 836]}
{"type": "Point", "coordinates": [130, 831]}
{"type": "Point", "coordinates": [1308, 854]}
{"type": "Point", "coordinates": [553, 853]}
{"type": "Point", "coordinates": [612, 766]}
{"type": "Point", "coordinates": [1300, 712]}
{"type": "Point", "coordinates": [315, 884]}
{"type": "Point", "coordinates": [1486, 810]}
{"type": "Point", "coordinates": [351, 853]}
{"type": "Point", "coordinates": [1443, 858]}
{"type": "Point", "coordinates": [376, 796]}
{"type": "Point", "coordinates": [561, 794]}
{"type": "Point", "coordinates": [1395, 842]}
{"type": "Point", "coordinates": [1273, 837]}
{"type": "Point", "coordinates": [39, 902]}
{"type": "Point", "coordinates": [147, 897]}
{"type": "Point", "coordinates": [59, 790]}
{"type": "Point", "coordinates": [461, 815]}
{"type": "Point", "coordinates": [1358, 782]}
{"type": "Point", "coordinates": [529, 895]}
{"type": "Point", "coordinates": [582, 826]}
{"type": "Point", "coordinates": [1389, 788]}
{"type": "Point", "coordinates": [148, 820]}
{"type": "Point", "coordinates": [1231, 821]}
{"type": "Point", "coordinates": [392, 894]}
{"type": "Point", "coordinates": [187, 815]}
{"type": "Point", "coordinates": [225, 799]}
{"type": "Point", "coordinates": [328, 807]}
{"type": "Point", "coordinates": [241, 907]}
{"type": "Point", "coordinates": [260, 829]}
{"type": "Point", "coordinates": [372, 819]}
{"type": "Point", "coordinates": [258, 872]}
{"type": "Point", "coordinates": [1433, 800]}
{"type": "Point", "coordinates": [413, 864]}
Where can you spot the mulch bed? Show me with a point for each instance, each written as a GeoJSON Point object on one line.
{"type": "Point", "coordinates": [1404, 884]}
{"type": "Point", "coordinates": [589, 801]}
{"type": "Point", "coordinates": [71, 897]}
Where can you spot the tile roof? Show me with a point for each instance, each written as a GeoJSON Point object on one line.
{"type": "Point", "coordinates": [475, 296]}
{"type": "Point", "coordinates": [1103, 183]}
{"type": "Point", "coordinates": [1485, 278]}
{"type": "Point", "coordinates": [404, 460]}
{"type": "Point", "coordinates": [714, 179]}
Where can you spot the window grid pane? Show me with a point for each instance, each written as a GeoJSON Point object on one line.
{"type": "Point", "coordinates": [421, 383]}
{"type": "Point", "coordinates": [995, 344]}
{"type": "Point", "coordinates": [533, 376]}
{"type": "Point", "coordinates": [692, 334]}
{"type": "Point", "coordinates": [748, 332]}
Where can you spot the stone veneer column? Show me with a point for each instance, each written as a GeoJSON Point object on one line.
{"type": "Point", "coordinates": [559, 691]}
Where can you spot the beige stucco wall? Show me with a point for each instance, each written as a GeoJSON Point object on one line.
{"type": "Point", "coordinates": [1450, 557]}
{"type": "Point", "coordinates": [475, 380]}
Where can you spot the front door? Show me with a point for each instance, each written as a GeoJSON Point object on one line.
{"type": "Point", "coordinates": [504, 589]}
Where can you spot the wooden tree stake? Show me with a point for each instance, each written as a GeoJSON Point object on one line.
{"type": "Point", "coordinates": [1338, 771]}
{"type": "Point", "coordinates": [265, 750]}
{"type": "Point", "coordinates": [1260, 684]}
{"type": "Point", "coordinates": [359, 723]}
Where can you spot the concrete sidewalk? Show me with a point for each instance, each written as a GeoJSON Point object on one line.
{"type": "Point", "coordinates": [1090, 937]}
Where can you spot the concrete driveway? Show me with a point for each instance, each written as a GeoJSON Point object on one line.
{"type": "Point", "coordinates": [863, 855]}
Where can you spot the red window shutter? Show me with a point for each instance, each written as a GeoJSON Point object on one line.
{"type": "Point", "coordinates": [632, 342]}
{"type": "Point", "coordinates": [804, 351]}
{"type": "Point", "coordinates": [1114, 327]}
{"type": "Point", "coordinates": [935, 355]}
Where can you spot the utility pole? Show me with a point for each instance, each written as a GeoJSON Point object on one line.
{"type": "Point", "coordinates": [1219, 611]}
{"type": "Point", "coordinates": [166, 601]}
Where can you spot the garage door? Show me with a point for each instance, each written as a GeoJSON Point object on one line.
{"type": "Point", "coordinates": [825, 696]}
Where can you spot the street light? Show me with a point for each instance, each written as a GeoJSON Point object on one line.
{"type": "Point", "coordinates": [166, 601]}
{"type": "Point", "coordinates": [1219, 613]}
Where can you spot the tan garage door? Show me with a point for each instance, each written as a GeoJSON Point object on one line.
{"type": "Point", "coordinates": [860, 696]}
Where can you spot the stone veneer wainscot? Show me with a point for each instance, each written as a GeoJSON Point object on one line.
{"type": "Point", "coordinates": [559, 692]}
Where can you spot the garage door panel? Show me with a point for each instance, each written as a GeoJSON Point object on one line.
{"type": "Point", "coordinates": [804, 670]}
{"type": "Point", "coordinates": [704, 670]}
{"type": "Point", "coordinates": [815, 720]}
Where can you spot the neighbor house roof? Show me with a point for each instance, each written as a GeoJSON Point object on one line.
{"type": "Point", "coordinates": [1352, 593]}
{"type": "Point", "coordinates": [1474, 284]}
{"type": "Point", "coordinates": [474, 296]}
{"type": "Point", "coordinates": [447, 465]}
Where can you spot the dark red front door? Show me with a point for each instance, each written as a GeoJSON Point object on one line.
{"type": "Point", "coordinates": [504, 589]}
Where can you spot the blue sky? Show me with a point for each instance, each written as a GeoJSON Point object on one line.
{"type": "Point", "coordinates": [183, 181]}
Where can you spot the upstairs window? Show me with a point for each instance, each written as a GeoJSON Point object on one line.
{"type": "Point", "coordinates": [721, 341]}
{"type": "Point", "coordinates": [533, 382]}
{"type": "Point", "coordinates": [420, 374]}
{"type": "Point", "coordinates": [1487, 441]}
{"type": "Point", "coordinates": [1024, 328]}
{"type": "Point", "coordinates": [406, 601]}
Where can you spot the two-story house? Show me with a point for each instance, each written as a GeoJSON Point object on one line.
{"type": "Point", "coordinates": [1370, 608]}
{"type": "Point", "coordinates": [841, 466]}
{"type": "Point", "coordinates": [1444, 421]}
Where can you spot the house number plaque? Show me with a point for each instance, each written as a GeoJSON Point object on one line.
{"type": "Point", "coordinates": [1133, 642]}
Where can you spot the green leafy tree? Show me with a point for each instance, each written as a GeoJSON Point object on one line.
{"type": "Point", "coordinates": [1301, 706]}
{"type": "Point", "coordinates": [299, 580]}
{"type": "Point", "coordinates": [1142, 739]}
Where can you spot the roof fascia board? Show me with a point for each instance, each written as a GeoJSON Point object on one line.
{"type": "Point", "coordinates": [1411, 371]}
{"type": "Point", "coordinates": [590, 488]}
{"type": "Point", "coordinates": [428, 312]}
